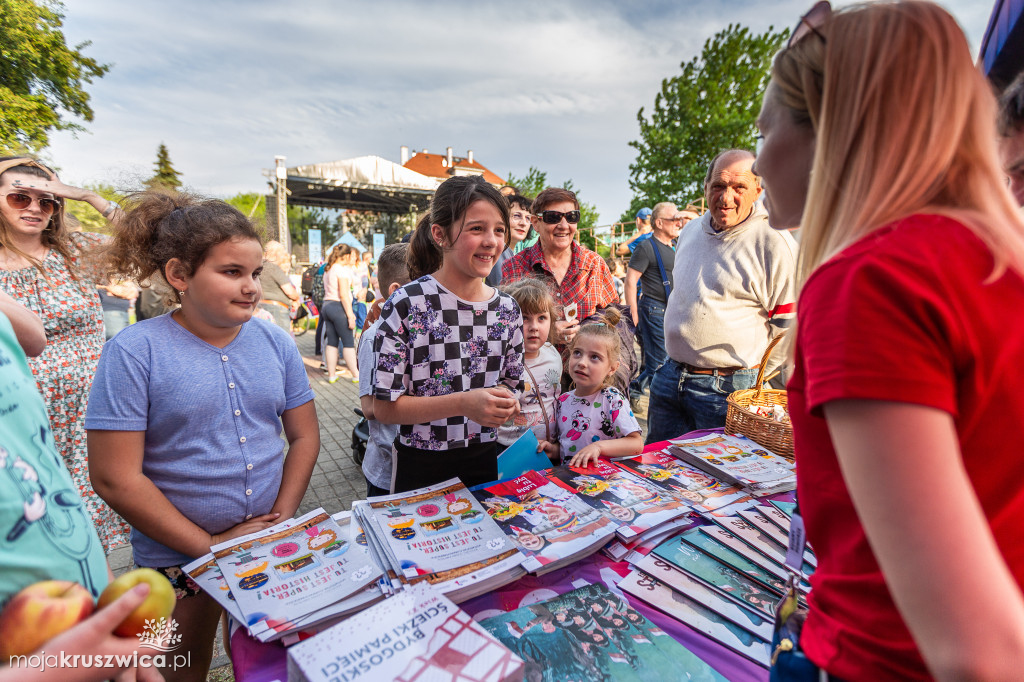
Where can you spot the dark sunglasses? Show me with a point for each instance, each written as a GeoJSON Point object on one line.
{"type": "Point", "coordinates": [810, 23]}
{"type": "Point", "coordinates": [555, 217]}
{"type": "Point", "coordinates": [19, 202]}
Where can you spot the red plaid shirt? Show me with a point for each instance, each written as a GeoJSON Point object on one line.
{"type": "Point", "coordinates": [588, 282]}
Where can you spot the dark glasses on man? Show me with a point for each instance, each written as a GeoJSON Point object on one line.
{"type": "Point", "coordinates": [20, 201]}
{"type": "Point", "coordinates": [811, 22]}
{"type": "Point", "coordinates": [555, 217]}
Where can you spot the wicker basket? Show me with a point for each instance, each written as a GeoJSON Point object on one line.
{"type": "Point", "coordinates": [776, 436]}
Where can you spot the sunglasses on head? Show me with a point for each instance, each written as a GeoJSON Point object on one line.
{"type": "Point", "coordinates": [810, 23]}
{"type": "Point", "coordinates": [19, 201]}
{"type": "Point", "coordinates": [555, 217]}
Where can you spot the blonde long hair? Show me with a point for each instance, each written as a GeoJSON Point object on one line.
{"type": "Point", "coordinates": [904, 123]}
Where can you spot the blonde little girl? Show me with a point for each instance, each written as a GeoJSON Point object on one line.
{"type": "Point", "coordinates": [594, 419]}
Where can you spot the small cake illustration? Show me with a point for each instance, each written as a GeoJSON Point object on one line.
{"type": "Point", "coordinates": [248, 564]}
{"type": "Point", "coordinates": [396, 519]}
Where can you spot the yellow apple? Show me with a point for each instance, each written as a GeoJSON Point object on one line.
{"type": "Point", "coordinates": [159, 603]}
{"type": "Point", "coordinates": [40, 612]}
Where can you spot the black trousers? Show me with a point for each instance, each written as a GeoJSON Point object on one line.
{"type": "Point", "coordinates": [416, 468]}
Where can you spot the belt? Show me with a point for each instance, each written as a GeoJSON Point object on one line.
{"type": "Point", "coordinates": [720, 371]}
{"type": "Point", "coordinates": [283, 305]}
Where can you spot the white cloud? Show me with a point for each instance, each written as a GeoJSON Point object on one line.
{"type": "Point", "coordinates": [227, 85]}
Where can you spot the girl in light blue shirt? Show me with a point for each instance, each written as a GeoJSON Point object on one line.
{"type": "Point", "coordinates": [186, 411]}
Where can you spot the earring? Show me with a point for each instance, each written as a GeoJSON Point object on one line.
{"type": "Point", "coordinates": [182, 293]}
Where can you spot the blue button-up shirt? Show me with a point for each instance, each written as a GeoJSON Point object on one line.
{"type": "Point", "coordinates": [212, 418]}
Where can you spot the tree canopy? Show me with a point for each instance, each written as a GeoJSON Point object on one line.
{"type": "Point", "coordinates": [711, 106]}
{"type": "Point", "coordinates": [42, 79]}
{"type": "Point", "coordinates": [165, 176]}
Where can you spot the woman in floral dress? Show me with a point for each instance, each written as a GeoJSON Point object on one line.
{"type": "Point", "coordinates": [42, 265]}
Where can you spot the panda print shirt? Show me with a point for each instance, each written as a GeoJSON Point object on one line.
{"type": "Point", "coordinates": [581, 420]}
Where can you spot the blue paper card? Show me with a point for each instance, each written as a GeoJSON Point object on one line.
{"type": "Point", "coordinates": [522, 456]}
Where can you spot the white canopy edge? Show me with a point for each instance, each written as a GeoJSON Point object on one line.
{"type": "Point", "coordinates": [366, 171]}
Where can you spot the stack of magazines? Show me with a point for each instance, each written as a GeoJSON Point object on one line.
{"type": "Point", "coordinates": [440, 535]}
{"type": "Point", "coordinates": [738, 461]}
{"type": "Point", "coordinates": [551, 525]}
{"type": "Point", "coordinates": [723, 579]}
{"type": "Point", "coordinates": [298, 576]}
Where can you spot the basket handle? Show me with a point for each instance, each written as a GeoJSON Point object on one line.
{"type": "Point", "coordinates": [764, 363]}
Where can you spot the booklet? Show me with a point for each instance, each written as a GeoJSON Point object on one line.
{"type": "Point", "coordinates": [701, 491]}
{"type": "Point", "coordinates": [205, 572]}
{"type": "Point", "coordinates": [749, 619]}
{"type": "Point", "coordinates": [760, 520]}
{"type": "Point", "coordinates": [696, 615]}
{"type": "Point", "coordinates": [725, 580]}
{"type": "Point", "coordinates": [551, 525]}
{"type": "Point", "coordinates": [521, 457]}
{"type": "Point", "coordinates": [737, 460]}
{"type": "Point", "coordinates": [441, 535]}
{"type": "Point", "coordinates": [734, 560]}
{"type": "Point", "coordinates": [636, 504]}
{"type": "Point", "coordinates": [418, 635]}
{"type": "Point", "coordinates": [735, 544]}
{"type": "Point", "coordinates": [292, 569]}
{"type": "Point", "coordinates": [594, 634]}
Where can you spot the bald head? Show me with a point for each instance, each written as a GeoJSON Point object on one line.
{"type": "Point", "coordinates": [731, 188]}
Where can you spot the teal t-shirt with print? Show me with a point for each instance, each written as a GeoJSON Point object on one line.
{"type": "Point", "coordinates": [45, 532]}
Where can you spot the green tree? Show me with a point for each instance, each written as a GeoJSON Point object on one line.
{"type": "Point", "coordinates": [300, 219]}
{"type": "Point", "coordinates": [89, 217]}
{"type": "Point", "coordinates": [711, 106]}
{"type": "Point", "coordinates": [42, 80]}
{"type": "Point", "coordinates": [166, 176]}
{"type": "Point", "coordinates": [536, 180]}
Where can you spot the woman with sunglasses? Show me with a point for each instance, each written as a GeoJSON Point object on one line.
{"type": "Point", "coordinates": [49, 269]}
{"type": "Point", "coordinates": [580, 279]}
{"type": "Point", "coordinates": [905, 398]}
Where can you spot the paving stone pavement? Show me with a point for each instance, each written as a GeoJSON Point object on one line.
{"type": "Point", "coordinates": [336, 480]}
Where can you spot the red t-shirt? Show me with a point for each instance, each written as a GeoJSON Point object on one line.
{"type": "Point", "coordinates": [903, 315]}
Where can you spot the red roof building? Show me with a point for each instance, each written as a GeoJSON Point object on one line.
{"type": "Point", "coordinates": [446, 165]}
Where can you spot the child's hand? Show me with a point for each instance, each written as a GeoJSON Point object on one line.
{"type": "Point", "coordinates": [245, 527]}
{"type": "Point", "coordinates": [549, 449]}
{"type": "Point", "coordinates": [94, 636]}
{"type": "Point", "coordinates": [587, 455]}
{"type": "Point", "coordinates": [491, 406]}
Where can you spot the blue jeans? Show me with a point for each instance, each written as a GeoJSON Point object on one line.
{"type": "Point", "coordinates": [652, 333]}
{"type": "Point", "coordinates": [682, 401]}
{"type": "Point", "coordinates": [114, 321]}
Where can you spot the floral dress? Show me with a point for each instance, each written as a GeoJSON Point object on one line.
{"type": "Point", "coordinates": [73, 319]}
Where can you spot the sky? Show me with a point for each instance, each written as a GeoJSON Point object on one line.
{"type": "Point", "coordinates": [229, 84]}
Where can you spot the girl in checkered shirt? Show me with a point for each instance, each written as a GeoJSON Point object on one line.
{"type": "Point", "coordinates": [450, 348]}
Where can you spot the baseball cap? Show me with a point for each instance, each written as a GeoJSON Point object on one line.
{"type": "Point", "coordinates": [643, 213]}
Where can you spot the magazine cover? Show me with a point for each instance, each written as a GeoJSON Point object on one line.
{"type": "Point", "coordinates": [548, 523]}
{"type": "Point", "coordinates": [284, 573]}
{"type": "Point", "coordinates": [593, 634]}
{"type": "Point", "coordinates": [701, 491]}
{"type": "Point", "coordinates": [784, 507]}
{"type": "Point", "coordinates": [716, 550]}
{"type": "Point", "coordinates": [725, 580]}
{"type": "Point", "coordinates": [697, 616]}
{"type": "Point", "coordinates": [416, 636]}
{"type": "Point", "coordinates": [440, 534]}
{"type": "Point", "coordinates": [759, 520]}
{"type": "Point", "coordinates": [205, 572]}
{"type": "Point", "coordinates": [735, 544]}
{"type": "Point", "coordinates": [638, 505]}
{"type": "Point", "coordinates": [747, 618]}
{"type": "Point", "coordinates": [622, 550]}
{"type": "Point", "coordinates": [737, 459]}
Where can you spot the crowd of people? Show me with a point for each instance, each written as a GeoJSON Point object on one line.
{"type": "Point", "coordinates": [898, 308]}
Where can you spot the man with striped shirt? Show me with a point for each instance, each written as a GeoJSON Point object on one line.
{"type": "Point", "coordinates": [734, 291]}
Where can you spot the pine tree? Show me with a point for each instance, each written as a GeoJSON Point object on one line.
{"type": "Point", "coordinates": [165, 176]}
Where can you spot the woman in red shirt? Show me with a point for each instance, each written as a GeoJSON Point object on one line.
{"type": "Point", "coordinates": [879, 141]}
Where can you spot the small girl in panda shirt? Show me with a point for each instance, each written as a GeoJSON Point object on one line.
{"type": "Point", "coordinates": [594, 419]}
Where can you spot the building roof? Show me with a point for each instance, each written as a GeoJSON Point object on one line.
{"type": "Point", "coordinates": [436, 166]}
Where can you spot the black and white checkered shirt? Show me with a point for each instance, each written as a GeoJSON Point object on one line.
{"type": "Point", "coordinates": [431, 342]}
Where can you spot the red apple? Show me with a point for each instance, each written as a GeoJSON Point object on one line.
{"type": "Point", "coordinates": [40, 612]}
{"type": "Point", "coordinates": [159, 603]}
